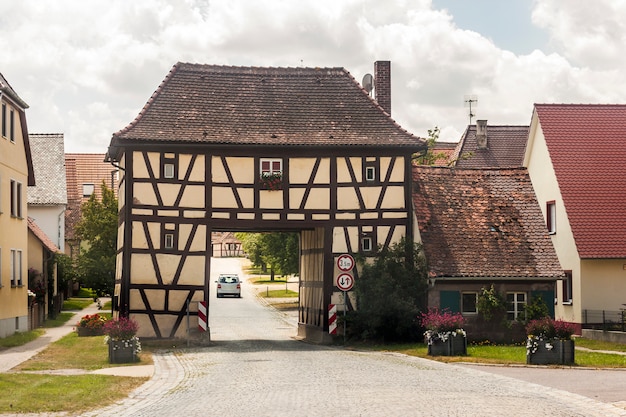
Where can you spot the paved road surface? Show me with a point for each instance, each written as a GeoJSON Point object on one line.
{"type": "Point", "coordinates": [256, 368]}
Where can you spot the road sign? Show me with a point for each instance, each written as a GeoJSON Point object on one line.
{"type": "Point", "coordinates": [332, 319]}
{"type": "Point", "coordinates": [345, 262]}
{"type": "Point", "coordinates": [345, 281]}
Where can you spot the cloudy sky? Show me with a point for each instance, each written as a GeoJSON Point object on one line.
{"type": "Point", "coordinates": [86, 68]}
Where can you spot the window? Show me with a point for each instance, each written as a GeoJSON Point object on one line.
{"type": "Point", "coordinates": [551, 217]}
{"type": "Point", "coordinates": [16, 199]}
{"type": "Point", "coordinates": [168, 171]}
{"type": "Point", "coordinates": [169, 236]}
{"type": "Point", "coordinates": [88, 189]}
{"type": "Point", "coordinates": [366, 244]}
{"type": "Point", "coordinates": [169, 165]}
{"type": "Point", "coordinates": [271, 167]}
{"type": "Point", "coordinates": [567, 288]}
{"type": "Point", "coordinates": [169, 241]}
{"type": "Point", "coordinates": [468, 302]}
{"type": "Point", "coordinates": [16, 267]}
{"type": "Point", "coordinates": [12, 125]}
{"type": "Point", "coordinates": [4, 120]}
{"type": "Point", "coordinates": [0, 267]}
{"type": "Point", "coordinates": [370, 169]}
{"type": "Point", "coordinates": [515, 302]}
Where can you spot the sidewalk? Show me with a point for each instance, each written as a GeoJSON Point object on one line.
{"type": "Point", "coordinates": [12, 357]}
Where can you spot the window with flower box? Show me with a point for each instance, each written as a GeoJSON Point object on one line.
{"type": "Point", "coordinates": [271, 173]}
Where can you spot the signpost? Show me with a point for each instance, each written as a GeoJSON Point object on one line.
{"type": "Point", "coordinates": [345, 282]}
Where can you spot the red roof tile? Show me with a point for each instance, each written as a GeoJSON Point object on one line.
{"type": "Point", "coordinates": [264, 106]}
{"type": "Point", "coordinates": [482, 223]}
{"type": "Point", "coordinates": [587, 146]}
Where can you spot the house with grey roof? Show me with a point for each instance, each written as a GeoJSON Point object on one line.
{"type": "Point", "coordinates": [491, 146]}
{"type": "Point", "coordinates": [47, 200]}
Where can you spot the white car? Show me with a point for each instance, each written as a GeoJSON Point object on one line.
{"type": "Point", "coordinates": [228, 284]}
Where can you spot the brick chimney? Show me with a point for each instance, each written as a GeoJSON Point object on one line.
{"type": "Point", "coordinates": [382, 84]}
{"type": "Point", "coordinates": [481, 134]}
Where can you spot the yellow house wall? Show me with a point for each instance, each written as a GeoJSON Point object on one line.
{"type": "Point", "coordinates": [546, 188]}
{"type": "Point", "coordinates": [604, 286]}
{"type": "Point", "coordinates": [13, 231]}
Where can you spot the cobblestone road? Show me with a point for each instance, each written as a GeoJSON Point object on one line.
{"type": "Point", "coordinates": [255, 368]}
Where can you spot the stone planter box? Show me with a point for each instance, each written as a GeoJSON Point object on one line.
{"type": "Point", "coordinates": [84, 331]}
{"type": "Point", "coordinates": [454, 346]}
{"type": "Point", "coordinates": [122, 351]}
{"type": "Point", "coordinates": [561, 353]}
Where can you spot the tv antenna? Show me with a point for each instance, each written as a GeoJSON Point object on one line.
{"type": "Point", "coordinates": [368, 83]}
{"type": "Point", "coordinates": [471, 101]}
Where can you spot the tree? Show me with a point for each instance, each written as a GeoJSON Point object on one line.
{"type": "Point", "coordinates": [278, 250]}
{"type": "Point", "coordinates": [97, 230]}
{"type": "Point", "coordinates": [430, 157]}
{"type": "Point", "coordinates": [390, 291]}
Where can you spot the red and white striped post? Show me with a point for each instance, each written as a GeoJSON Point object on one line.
{"type": "Point", "coordinates": [332, 319]}
{"type": "Point", "coordinates": [202, 324]}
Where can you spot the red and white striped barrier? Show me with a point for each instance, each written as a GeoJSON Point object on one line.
{"type": "Point", "coordinates": [332, 319]}
{"type": "Point", "coordinates": [202, 325]}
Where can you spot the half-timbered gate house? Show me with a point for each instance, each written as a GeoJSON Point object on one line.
{"type": "Point", "coordinates": [221, 148]}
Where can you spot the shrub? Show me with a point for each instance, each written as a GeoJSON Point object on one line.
{"type": "Point", "coordinates": [490, 303]}
{"type": "Point", "coordinates": [123, 328]}
{"type": "Point", "coordinates": [441, 321]}
{"type": "Point", "coordinates": [547, 328]}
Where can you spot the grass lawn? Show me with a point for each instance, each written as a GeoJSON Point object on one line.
{"type": "Point", "coordinates": [278, 294]}
{"type": "Point", "coordinates": [19, 338]}
{"type": "Point", "coordinates": [76, 303]}
{"type": "Point", "coordinates": [42, 392]}
{"type": "Point", "coordinates": [516, 354]}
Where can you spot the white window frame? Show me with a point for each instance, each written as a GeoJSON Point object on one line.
{"type": "Point", "coordinates": [4, 120]}
{"type": "Point", "coordinates": [370, 174]}
{"type": "Point", "coordinates": [515, 308]}
{"type": "Point", "coordinates": [16, 198]}
{"type": "Point", "coordinates": [551, 217]}
{"type": "Point", "coordinates": [568, 288]}
{"type": "Point", "coordinates": [12, 125]}
{"type": "Point", "coordinates": [16, 268]}
{"type": "Point", "coordinates": [88, 189]}
{"type": "Point", "coordinates": [168, 170]}
{"type": "Point", "coordinates": [367, 244]}
{"type": "Point", "coordinates": [168, 242]}
{"type": "Point", "coordinates": [271, 170]}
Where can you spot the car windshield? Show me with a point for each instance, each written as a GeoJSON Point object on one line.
{"type": "Point", "coordinates": [229, 280]}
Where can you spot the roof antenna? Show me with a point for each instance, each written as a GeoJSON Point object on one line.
{"type": "Point", "coordinates": [470, 100]}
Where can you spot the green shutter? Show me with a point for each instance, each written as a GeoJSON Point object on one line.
{"type": "Point", "coordinates": [547, 297]}
{"type": "Point", "coordinates": [450, 300]}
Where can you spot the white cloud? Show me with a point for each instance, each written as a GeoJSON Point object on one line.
{"type": "Point", "coordinates": [86, 69]}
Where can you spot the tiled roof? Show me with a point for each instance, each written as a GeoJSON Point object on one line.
{"type": "Point", "coordinates": [505, 147]}
{"type": "Point", "coordinates": [48, 155]}
{"type": "Point", "coordinates": [41, 236]}
{"type": "Point", "coordinates": [264, 106]}
{"type": "Point", "coordinates": [587, 146]}
{"type": "Point", "coordinates": [482, 223]}
{"type": "Point", "coordinates": [444, 148]}
{"type": "Point", "coordinates": [84, 168]}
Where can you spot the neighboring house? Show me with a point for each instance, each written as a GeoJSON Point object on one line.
{"type": "Point", "coordinates": [575, 157]}
{"type": "Point", "coordinates": [225, 244]}
{"type": "Point", "coordinates": [47, 200]}
{"type": "Point", "coordinates": [446, 151]}
{"type": "Point", "coordinates": [85, 173]}
{"type": "Point", "coordinates": [42, 275]}
{"type": "Point", "coordinates": [486, 146]}
{"type": "Point", "coordinates": [16, 173]}
{"type": "Point", "coordinates": [481, 227]}
{"type": "Point", "coordinates": [220, 148]}
{"type": "Point", "coordinates": [46, 219]}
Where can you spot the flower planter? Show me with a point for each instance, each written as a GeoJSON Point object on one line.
{"type": "Point", "coordinates": [122, 351]}
{"type": "Point", "coordinates": [453, 346]}
{"type": "Point", "coordinates": [550, 352]}
{"type": "Point", "coordinates": [85, 331]}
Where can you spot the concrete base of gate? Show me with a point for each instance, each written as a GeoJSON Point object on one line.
{"type": "Point", "coordinates": [314, 334]}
